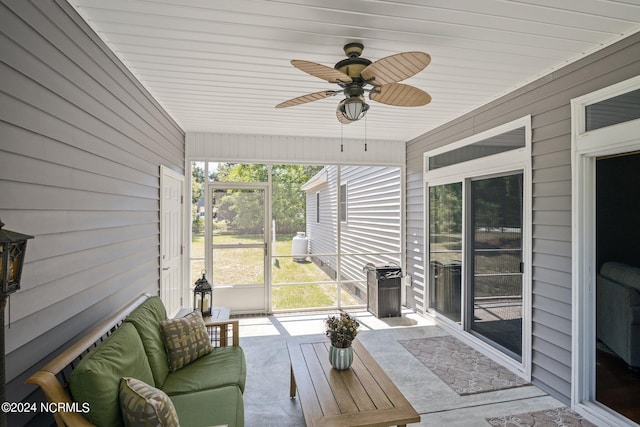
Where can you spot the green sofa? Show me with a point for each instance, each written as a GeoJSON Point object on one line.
{"type": "Point", "coordinates": [206, 392]}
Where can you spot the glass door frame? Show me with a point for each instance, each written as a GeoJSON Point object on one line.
{"type": "Point", "coordinates": [209, 244]}
{"type": "Point", "coordinates": [507, 162]}
{"type": "Point", "coordinates": [586, 146]}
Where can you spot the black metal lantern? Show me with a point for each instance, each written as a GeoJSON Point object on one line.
{"type": "Point", "coordinates": [12, 251]}
{"type": "Point", "coordinates": [203, 296]}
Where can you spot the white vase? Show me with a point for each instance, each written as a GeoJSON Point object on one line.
{"type": "Point", "coordinates": [340, 358]}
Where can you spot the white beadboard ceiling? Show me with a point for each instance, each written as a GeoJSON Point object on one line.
{"type": "Point", "coordinates": [222, 65]}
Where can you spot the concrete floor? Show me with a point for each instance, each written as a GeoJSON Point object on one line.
{"type": "Point", "coordinates": [267, 401]}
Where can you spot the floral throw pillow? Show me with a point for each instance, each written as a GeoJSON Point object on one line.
{"type": "Point", "coordinates": [145, 406]}
{"type": "Point", "coordinates": [186, 339]}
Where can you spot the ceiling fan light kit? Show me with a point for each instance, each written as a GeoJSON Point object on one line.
{"type": "Point", "coordinates": [357, 75]}
{"type": "Point", "coordinates": [354, 108]}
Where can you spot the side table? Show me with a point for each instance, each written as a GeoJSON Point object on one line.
{"type": "Point", "coordinates": [217, 314]}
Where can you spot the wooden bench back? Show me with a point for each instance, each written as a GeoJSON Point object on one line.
{"type": "Point", "coordinates": [53, 378]}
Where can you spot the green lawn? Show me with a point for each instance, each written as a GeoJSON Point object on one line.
{"type": "Point", "coordinates": [303, 296]}
{"type": "Point", "coordinates": [245, 266]}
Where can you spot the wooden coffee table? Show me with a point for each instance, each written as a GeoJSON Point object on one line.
{"type": "Point", "coordinates": [360, 396]}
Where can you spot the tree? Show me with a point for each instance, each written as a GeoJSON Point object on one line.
{"type": "Point", "coordinates": [241, 172]}
{"type": "Point", "coordinates": [289, 201]}
{"type": "Point", "coordinates": [197, 193]}
{"type": "Point", "coordinates": [238, 209]}
{"type": "Point", "coordinates": [445, 209]}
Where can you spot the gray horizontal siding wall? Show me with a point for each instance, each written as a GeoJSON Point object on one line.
{"type": "Point", "coordinates": [80, 152]}
{"type": "Point", "coordinates": [373, 218]}
{"type": "Point", "coordinates": [548, 101]}
{"type": "Point", "coordinates": [322, 235]}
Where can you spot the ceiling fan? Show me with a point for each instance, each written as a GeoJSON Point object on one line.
{"type": "Point", "coordinates": [356, 76]}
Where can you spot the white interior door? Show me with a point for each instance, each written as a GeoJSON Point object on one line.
{"type": "Point", "coordinates": [171, 214]}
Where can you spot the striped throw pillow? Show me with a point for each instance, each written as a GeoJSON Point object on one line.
{"type": "Point", "coordinates": [186, 339]}
{"type": "Point", "coordinates": [145, 406]}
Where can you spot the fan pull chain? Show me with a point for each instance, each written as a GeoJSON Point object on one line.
{"type": "Point", "coordinates": [341, 135]}
{"type": "Point", "coordinates": [365, 133]}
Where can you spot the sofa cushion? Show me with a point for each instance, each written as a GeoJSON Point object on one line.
{"type": "Point", "coordinates": [622, 273]}
{"type": "Point", "coordinates": [146, 319]}
{"type": "Point", "coordinates": [216, 407]}
{"type": "Point", "coordinates": [96, 379]}
{"type": "Point", "coordinates": [143, 405]}
{"type": "Point", "coordinates": [186, 339]}
{"type": "Point", "coordinates": [223, 366]}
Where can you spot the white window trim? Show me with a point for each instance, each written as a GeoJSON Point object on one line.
{"type": "Point", "coordinates": [512, 160]}
{"type": "Point", "coordinates": [585, 148]}
{"type": "Point", "coordinates": [483, 163]}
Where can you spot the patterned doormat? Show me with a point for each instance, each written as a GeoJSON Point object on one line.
{"type": "Point", "coordinates": [462, 368]}
{"type": "Point", "coordinates": [558, 417]}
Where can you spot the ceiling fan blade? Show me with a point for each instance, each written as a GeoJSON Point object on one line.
{"type": "Point", "coordinates": [395, 68]}
{"type": "Point", "coordinates": [400, 95]}
{"type": "Point", "coordinates": [341, 118]}
{"type": "Point", "coordinates": [321, 71]}
{"type": "Point", "coordinates": [310, 97]}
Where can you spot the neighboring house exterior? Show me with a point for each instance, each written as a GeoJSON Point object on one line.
{"type": "Point", "coordinates": [81, 149]}
{"type": "Point", "coordinates": [358, 208]}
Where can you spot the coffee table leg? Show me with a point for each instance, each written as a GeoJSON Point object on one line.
{"type": "Point", "coordinates": [292, 386]}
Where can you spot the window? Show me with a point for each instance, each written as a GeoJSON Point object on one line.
{"type": "Point", "coordinates": [478, 226]}
{"type": "Point", "coordinates": [618, 109]}
{"type": "Point", "coordinates": [343, 203]}
{"type": "Point", "coordinates": [500, 143]}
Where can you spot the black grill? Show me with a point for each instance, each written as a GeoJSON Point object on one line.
{"type": "Point", "coordinates": [383, 290]}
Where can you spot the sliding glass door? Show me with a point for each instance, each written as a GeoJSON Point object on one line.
{"type": "Point", "coordinates": [476, 257]}
{"type": "Point", "coordinates": [478, 218]}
